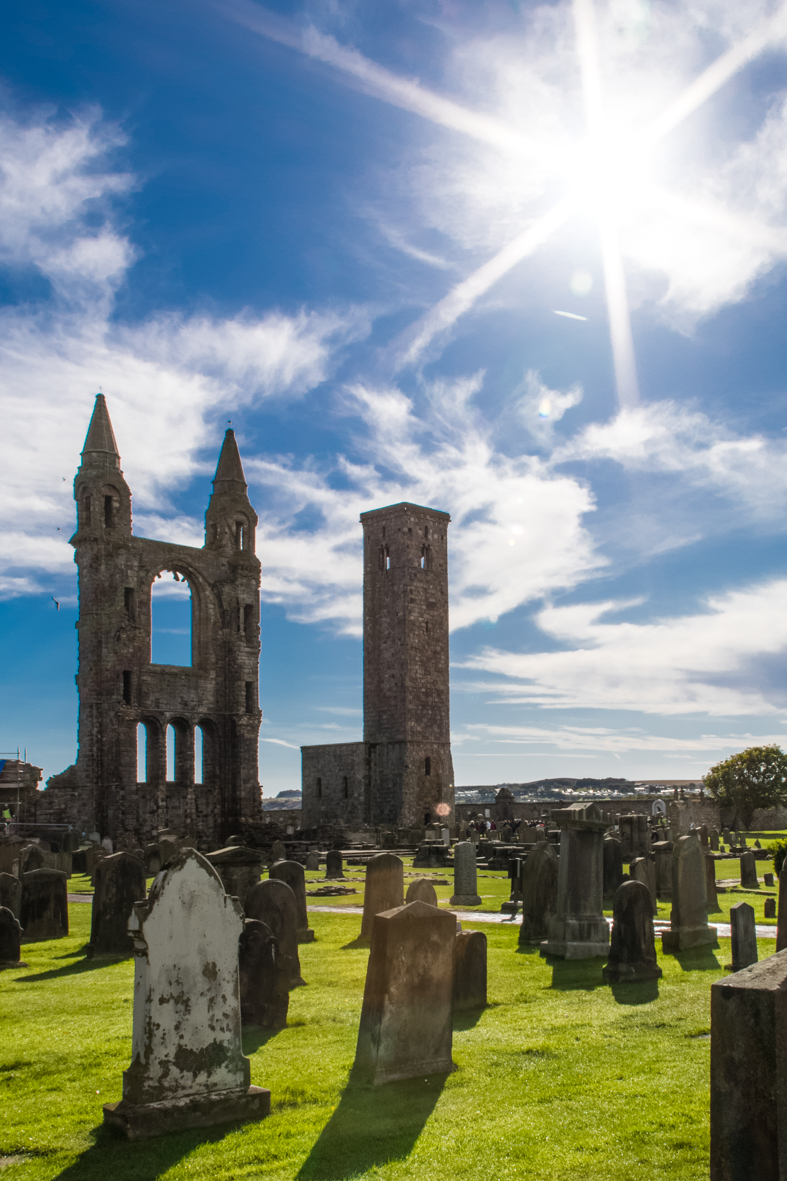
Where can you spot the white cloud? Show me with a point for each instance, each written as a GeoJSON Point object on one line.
{"type": "Point", "coordinates": [607, 740]}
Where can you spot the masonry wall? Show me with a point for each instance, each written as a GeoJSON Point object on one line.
{"type": "Point", "coordinates": [335, 784]}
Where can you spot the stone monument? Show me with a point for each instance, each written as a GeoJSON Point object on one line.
{"type": "Point", "coordinates": [421, 890]}
{"type": "Point", "coordinates": [613, 866]}
{"type": "Point", "coordinates": [465, 876]}
{"type": "Point", "coordinates": [334, 870]}
{"type": "Point", "coordinates": [643, 869]}
{"type": "Point", "coordinates": [689, 915]}
{"type": "Point", "coordinates": [44, 905]}
{"type": "Point", "coordinates": [264, 977]}
{"type": "Point", "coordinates": [273, 903]}
{"type": "Point", "coordinates": [120, 882]}
{"type": "Point", "coordinates": [749, 872]}
{"type": "Point", "coordinates": [744, 936]}
{"type": "Point", "coordinates": [578, 929]}
{"type": "Point", "coordinates": [632, 952]}
{"type": "Point", "coordinates": [292, 873]}
{"type": "Point", "coordinates": [239, 869]}
{"type": "Point", "coordinates": [10, 939]}
{"type": "Point", "coordinates": [384, 889]}
{"type": "Point", "coordinates": [469, 991]}
{"type": "Point", "coordinates": [539, 893]}
{"type": "Point", "coordinates": [11, 893]}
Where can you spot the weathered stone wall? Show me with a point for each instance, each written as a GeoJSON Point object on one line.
{"type": "Point", "coordinates": [335, 784]}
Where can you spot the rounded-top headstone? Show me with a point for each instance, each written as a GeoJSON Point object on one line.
{"type": "Point", "coordinates": [384, 889]}
{"type": "Point", "coordinates": [11, 893]}
{"type": "Point", "coordinates": [632, 952]}
{"type": "Point", "coordinates": [539, 893]}
{"type": "Point", "coordinates": [32, 857]}
{"type": "Point", "coordinates": [10, 937]}
{"type": "Point", "coordinates": [743, 933]}
{"type": "Point", "coordinates": [469, 971]}
{"type": "Point", "coordinates": [334, 868]}
{"type": "Point", "coordinates": [278, 851]}
{"type": "Point", "coordinates": [273, 903]}
{"type": "Point", "coordinates": [292, 873]}
{"type": "Point", "coordinates": [119, 883]}
{"type": "Point", "coordinates": [44, 905]}
{"type": "Point", "coordinates": [421, 890]}
{"type": "Point", "coordinates": [264, 983]}
{"type": "Point", "coordinates": [312, 861]}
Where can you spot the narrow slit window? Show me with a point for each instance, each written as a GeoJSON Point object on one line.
{"type": "Point", "coordinates": [250, 697]}
{"type": "Point", "coordinates": [108, 512]}
{"type": "Point", "coordinates": [319, 788]}
{"type": "Point", "coordinates": [345, 787]}
{"type": "Point", "coordinates": [240, 534]}
{"type": "Point", "coordinates": [427, 766]}
{"type": "Point", "coordinates": [127, 686]}
{"type": "Point", "coordinates": [387, 558]}
{"type": "Point", "coordinates": [85, 510]}
{"type": "Point", "coordinates": [129, 601]}
{"type": "Point", "coordinates": [142, 753]}
{"type": "Point", "coordinates": [199, 748]}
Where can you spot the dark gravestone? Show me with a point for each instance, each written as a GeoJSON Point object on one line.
{"type": "Point", "coordinates": [744, 936]}
{"type": "Point", "coordinates": [11, 893]}
{"type": "Point", "coordinates": [10, 938]}
{"type": "Point", "coordinates": [44, 905]}
{"type": "Point", "coordinates": [431, 855]}
{"type": "Point", "coordinates": [92, 855]}
{"type": "Point", "coordinates": [384, 889]}
{"type": "Point", "coordinates": [768, 880]}
{"type": "Point", "coordinates": [239, 869]}
{"type": "Point", "coordinates": [119, 883]}
{"type": "Point", "coordinates": [334, 869]}
{"type": "Point", "coordinates": [643, 869]}
{"type": "Point", "coordinates": [770, 908]}
{"type": "Point", "coordinates": [406, 1028]}
{"type": "Point", "coordinates": [32, 857]}
{"type": "Point", "coordinates": [578, 929]}
{"type": "Point", "coordinates": [153, 861]}
{"type": "Point", "coordinates": [689, 914]}
{"type": "Point", "coordinates": [312, 862]}
{"type": "Point", "coordinates": [292, 873]}
{"type": "Point", "coordinates": [714, 840]}
{"type": "Point", "coordinates": [264, 982]}
{"type": "Point", "coordinates": [273, 903]}
{"type": "Point", "coordinates": [632, 951]}
{"type": "Point", "coordinates": [421, 891]}
{"type": "Point", "coordinates": [469, 991]}
{"type": "Point", "coordinates": [278, 852]}
{"type": "Point", "coordinates": [539, 893]}
{"type": "Point", "coordinates": [781, 918]}
{"type": "Point", "coordinates": [710, 885]}
{"type": "Point", "coordinates": [662, 852]}
{"type": "Point", "coordinates": [704, 841]}
{"type": "Point", "coordinates": [749, 872]}
{"type": "Point", "coordinates": [613, 866]}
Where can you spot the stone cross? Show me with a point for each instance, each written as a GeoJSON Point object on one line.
{"type": "Point", "coordinates": [10, 938]}
{"type": "Point", "coordinates": [44, 905]}
{"type": "Point", "coordinates": [465, 876]}
{"type": "Point", "coordinates": [643, 869]}
{"type": "Point", "coordinates": [187, 1065]}
{"type": "Point", "coordinates": [406, 1027]}
{"type": "Point", "coordinates": [578, 929]}
{"type": "Point", "coordinates": [632, 952]}
{"type": "Point", "coordinates": [120, 882]}
{"type": "Point", "coordinates": [421, 890]}
{"type": "Point", "coordinates": [264, 977]}
{"type": "Point", "coordinates": [749, 872]}
{"type": "Point", "coordinates": [292, 873]}
{"type": "Point", "coordinates": [689, 915]}
{"type": "Point", "coordinates": [11, 893]}
{"type": "Point", "coordinates": [273, 903]}
{"type": "Point", "coordinates": [384, 889]}
{"type": "Point", "coordinates": [334, 869]}
{"type": "Point", "coordinates": [469, 991]}
{"type": "Point", "coordinates": [539, 893]}
{"type": "Point", "coordinates": [744, 936]}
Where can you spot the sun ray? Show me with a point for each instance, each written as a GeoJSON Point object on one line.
{"type": "Point", "coordinates": [772, 238]}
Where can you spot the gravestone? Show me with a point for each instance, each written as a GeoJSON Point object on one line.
{"type": "Point", "coordinates": [334, 869]}
{"type": "Point", "coordinates": [44, 905]}
{"type": "Point", "coordinates": [169, 845]}
{"type": "Point", "coordinates": [292, 873]}
{"type": "Point", "coordinates": [662, 852]}
{"type": "Point", "coordinates": [768, 880]}
{"type": "Point", "coordinates": [10, 938]}
{"type": "Point", "coordinates": [312, 861]}
{"type": "Point", "coordinates": [431, 855]}
{"type": "Point", "coordinates": [278, 852]}
{"type": "Point", "coordinates": [613, 866]}
{"type": "Point", "coordinates": [273, 903]}
{"type": "Point", "coordinates": [578, 929]}
{"type": "Point", "coordinates": [781, 919]}
{"type": "Point", "coordinates": [187, 1064]}
{"type": "Point", "coordinates": [643, 869]}
{"type": "Point", "coordinates": [239, 869]}
{"type": "Point", "coordinates": [689, 915]}
{"type": "Point", "coordinates": [539, 893]}
{"type": "Point", "coordinates": [406, 1027]}
{"type": "Point", "coordinates": [11, 893]}
{"type": "Point", "coordinates": [32, 857]}
{"type": "Point", "coordinates": [770, 908]}
{"type": "Point", "coordinates": [384, 889]}
{"type": "Point", "coordinates": [713, 837]}
{"type": "Point", "coordinates": [727, 836]}
{"type": "Point", "coordinates": [749, 872]}
{"type": "Point", "coordinates": [632, 951]}
{"type": "Point", "coordinates": [710, 885]}
{"type": "Point", "coordinates": [465, 876]}
{"type": "Point", "coordinates": [511, 905]}
{"type": "Point", "coordinates": [264, 978]}
{"type": "Point", "coordinates": [704, 841]}
{"type": "Point", "coordinates": [153, 861]}
{"type": "Point", "coordinates": [744, 936]}
{"type": "Point", "coordinates": [421, 890]}
{"type": "Point", "coordinates": [93, 854]}
{"type": "Point", "coordinates": [120, 882]}
{"type": "Point", "coordinates": [635, 839]}
{"type": "Point", "coordinates": [469, 989]}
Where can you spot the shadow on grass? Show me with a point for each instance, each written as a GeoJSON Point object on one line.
{"type": "Point", "coordinates": [112, 1155]}
{"type": "Point", "coordinates": [468, 1018]}
{"type": "Point", "coordinates": [570, 975]}
{"type": "Point", "coordinates": [635, 992]}
{"type": "Point", "coordinates": [698, 959]}
{"type": "Point", "coordinates": [355, 943]}
{"type": "Point", "coordinates": [528, 949]}
{"type": "Point", "coordinates": [86, 964]}
{"type": "Point", "coordinates": [255, 1036]}
{"type": "Point", "coordinates": [371, 1127]}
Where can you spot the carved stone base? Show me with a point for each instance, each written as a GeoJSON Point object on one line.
{"type": "Point", "coordinates": [684, 938]}
{"type": "Point", "coordinates": [465, 900]}
{"type": "Point", "coordinates": [195, 1111]}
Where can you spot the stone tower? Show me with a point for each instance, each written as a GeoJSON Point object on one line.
{"type": "Point", "coordinates": [120, 689]}
{"type": "Point", "coordinates": [402, 772]}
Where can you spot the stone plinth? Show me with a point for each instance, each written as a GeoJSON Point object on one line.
{"type": "Point", "coordinates": [120, 882]}
{"type": "Point", "coordinates": [465, 876]}
{"type": "Point", "coordinates": [539, 893]}
{"type": "Point", "coordinates": [11, 893]}
{"type": "Point", "coordinates": [264, 982]}
{"type": "Point", "coordinates": [632, 952]}
{"type": "Point", "coordinates": [292, 873]}
{"type": "Point", "coordinates": [187, 1068]}
{"type": "Point", "coordinates": [689, 915]}
{"type": "Point", "coordinates": [578, 929]}
{"type": "Point", "coordinates": [469, 990]}
{"type": "Point", "coordinates": [44, 905]}
{"type": "Point", "coordinates": [384, 889]}
{"type": "Point", "coordinates": [239, 869]}
{"type": "Point", "coordinates": [743, 936]}
{"type": "Point", "coordinates": [421, 891]}
{"type": "Point", "coordinates": [273, 903]}
{"type": "Point", "coordinates": [406, 1027]}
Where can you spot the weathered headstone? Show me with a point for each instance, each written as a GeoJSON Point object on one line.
{"type": "Point", "coordinates": [11, 893]}
{"type": "Point", "coordinates": [292, 873]}
{"type": "Point", "coordinates": [239, 869]}
{"type": "Point", "coordinates": [153, 861]}
{"type": "Point", "coordinates": [643, 869]}
{"type": "Point", "coordinates": [44, 905]}
{"type": "Point", "coordinates": [662, 852]}
{"type": "Point", "coordinates": [120, 882]}
{"type": "Point", "coordinates": [768, 880]}
{"type": "Point", "coordinates": [727, 836]}
{"type": "Point", "coordinates": [278, 852]}
{"type": "Point", "coordinates": [704, 840]}
{"type": "Point", "coordinates": [32, 857]}
{"type": "Point", "coordinates": [632, 951]}
{"type": "Point", "coordinates": [770, 908]}
{"type": "Point", "coordinates": [465, 876]}
{"type": "Point", "coordinates": [539, 893]}
{"type": "Point", "coordinates": [713, 837]}
{"type": "Point", "coordinates": [469, 990]}
{"type": "Point", "coordinates": [710, 885]}
{"type": "Point", "coordinates": [169, 845]}
{"type": "Point", "coordinates": [10, 938]}
{"type": "Point", "coordinates": [613, 866]}
{"type": "Point", "coordinates": [187, 1064]}
{"type": "Point", "coordinates": [273, 903]}
{"type": "Point", "coordinates": [578, 929]}
{"type": "Point", "coordinates": [334, 869]}
{"type": "Point", "coordinates": [312, 861]}
{"type": "Point", "coordinates": [749, 872]}
{"type": "Point", "coordinates": [421, 890]}
{"type": "Point", "coordinates": [264, 978]}
{"type": "Point", "coordinates": [635, 839]}
{"type": "Point", "coordinates": [406, 1028]}
{"type": "Point", "coordinates": [384, 889]}
{"type": "Point", "coordinates": [92, 855]}
{"type": "Point", "coordinates": [744, 936]}
{"type": "Point", "coordinates": [689, 915]}
{"type": "Point", "coordinates": [781, 918]}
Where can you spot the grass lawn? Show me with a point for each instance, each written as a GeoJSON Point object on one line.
{"type": "Point", "coordinates": [558, 1077]}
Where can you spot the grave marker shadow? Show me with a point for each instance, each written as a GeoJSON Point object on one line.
{"type": "Point", "coordinates": [698, 959]}
{"type": "Point", "coordinates": [638, 992]}
{"type": "Point", "coordinates": [111, 1156]}
{"type": "Point", "coordinates": [572, 975]}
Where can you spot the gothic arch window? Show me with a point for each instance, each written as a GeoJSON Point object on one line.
{"type": "Point", "coordinates": [171, 620]}
{"type": "Point", "coordinates": [142, 753]}
{"type": "Point", "coordinates": [241, 535]}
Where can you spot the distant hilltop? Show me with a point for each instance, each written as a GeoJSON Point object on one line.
{"type": "Point", "coordinates": [554, 789]}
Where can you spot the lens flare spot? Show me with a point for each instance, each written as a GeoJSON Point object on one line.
{"type": "Point", "coordinates": [581, 283]}
{"type": "Point", "coordinates": [544, 408]}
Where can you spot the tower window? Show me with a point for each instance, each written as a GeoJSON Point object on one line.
{"type": "Point", "coordinates": [426, 532]}
{"type": "Point", "coordinates": [426, 557]}
{"type": "Point", "coordinates": [127, 686]}
{"type": "Point", "coordinates": [387, 565]}
{"type": "Point", "coordinates": [240, 534]}
{"type": "Point", "coordinates": [250, 697]}
{"type": "Point", "coordinates": [108, 512]}
{"type": "Point", "coordinates": [85, 510]}
{"type": "Point", "coordinates": [427, 766]}
{"type": "Point", "coordinates": [129, 600]}
{"type": "Point", "coordinates": [319, 788]}
{"type": "Point", "coordinates": [248, 621]}
{"type": "Point", "coordinates": [345, 787]}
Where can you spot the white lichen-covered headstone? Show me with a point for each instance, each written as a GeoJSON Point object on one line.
{"type": "Point", "coordinates": [187, 1068]}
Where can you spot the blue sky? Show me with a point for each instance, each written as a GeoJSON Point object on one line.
{"type": "Point", "coordinates": [351, 229]}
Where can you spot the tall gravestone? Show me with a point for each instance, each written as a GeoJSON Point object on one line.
{"type": "Point", "coordinates": [264, 979]}
{"type": "Point", "coordinates": [384, 889]}
{"type": "Point", "coordinates": [613, 866]}
{"type": "Point", "coordinates": [406, 1027]}
{"type": "Point", "coordinates": [643, 869]}
{"type": "Point", "coordinates": [334, 869]}
{"type": "Point", "coordinates": [713, 838]}
{"type": "Point", "coordinates": [539, 893]}
{"type": "Point", "coordinates": [469, 988]}
{"type": "Point", "coordinates": [187, 1064]}
{"type": "Point", "coordinates": [292, 873]}
{"type": "Point", "coordinates": [44, 905]}
{"type": "Point", "coordinates": [689, 916]}
{"type": "Point", "coordinates": [120, 882]}
{"type": "Point", "coordinates": [465, 876]}
{"type": "Point", "coordinates": [743, 934]}
{"type": "Point", "coordinates": [781, 916]}
{"type": "Point", "coordinates": [704, 839]}
{"type": "Point", "coordinates": [578, 929]}
{"type": "Point", "coordinates": [421, 890]}
{"type": "Point", "coordinates": [11, 893]}
{"type": "Point", "coordinates": [710, 884]}
{"type": "Point", "coordinates": [769, 911]}
{"type": "Point", "coordinates": [632, 951]}
{"type": "Point", "coordinates": [153, 860]}
{"type": "Point", "coordinates": [662, 852]}
{"type": "Point", "coordinates": [239, 868]}
{"type": "Point", "coordinates": [32, 857]}
{"type": "Point", "coordinates": [272, 902]}
{"type": "Point", "coordinates": [10, 938]}
{"type": "Point", "coordinates": [749, 872]}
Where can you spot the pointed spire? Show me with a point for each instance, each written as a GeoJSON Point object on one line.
{"type": "Point", "coordinates": [229, 472]}
{"type": "Point", "coordinates": [100, 445]}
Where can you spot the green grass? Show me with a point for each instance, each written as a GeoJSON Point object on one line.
{"type": "Point", "coordinates": [559, 1078]}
